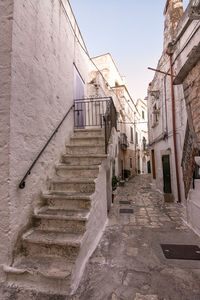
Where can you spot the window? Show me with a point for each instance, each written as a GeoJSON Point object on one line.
{"type": "Point", "coordinates": [131, 163]}
{"type": "Point", "coordinates": [142, 114]}
{"type": "Point", "coordinates": [131, 134]}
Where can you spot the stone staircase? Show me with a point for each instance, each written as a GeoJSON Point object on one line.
{"type": "Point", "coordinates": [193, 203]}
{"type": "Point", "coordinates": [64, 231]}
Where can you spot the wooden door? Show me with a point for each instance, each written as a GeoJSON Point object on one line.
{"type": "Point", "coordinates": [166, 174]}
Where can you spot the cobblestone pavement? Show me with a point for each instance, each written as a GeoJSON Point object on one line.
{"type": "Point", "coordinates": [128, 264]}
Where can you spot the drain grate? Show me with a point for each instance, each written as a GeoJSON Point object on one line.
{"type": "Point", "coordinates": [125, 202]}
{"type": "Point", "coordinates": [173, 251]}
{"type": "Point", "coordinates": [126, 211]}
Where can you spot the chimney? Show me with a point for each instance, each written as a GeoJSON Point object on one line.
{"type": "Point", "coordinates": [173, 13]}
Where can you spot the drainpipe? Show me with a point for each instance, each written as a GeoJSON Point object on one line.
{"type": "Point", "coordinates": [135, 140]}
{"type": "Point", "coordinates": [174, 126]}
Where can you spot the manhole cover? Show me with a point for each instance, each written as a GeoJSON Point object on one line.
{"type": "Point", "coordinates": [126, 211]}
{"type": "Point", "coordinates": [125, 202]}
{"type": "Point", "coordinates": [172, 251]}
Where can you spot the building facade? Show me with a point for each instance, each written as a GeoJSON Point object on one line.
{"type": "Point", "coordinates": [186, 64]}
{"type": "Point", "coordinates": [174, 111]}
{"type": "Point", "coordinates": [105, 80]}
{"type": "Point", "coordinates": [141, 127]}
{"type": "Point", "coordinates": [167, 118]}
{"type": "Point", "coordinates": [45, 242]}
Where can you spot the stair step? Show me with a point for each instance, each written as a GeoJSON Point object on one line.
{"type": "Point", "coordinates": [51, 243]}
{"type": "Point", "coordinates": [65, 171]}
{"type": "Point", "coordinates": [47, 274]}
{"type": "Point", "coordinates": [88, 132]}
{"type": "Point", "coordinates": [85, 149]}
{"type": "Point", "coordinates": [61, 200]}
{"type": "Point", "coordinates": [58, 214]}
{"type": "Point", "coordinates": [69, 221]}
{"type": "Point", "coordinates": [79, 185]}
{"type": "Point", "coordinates": [83, 160]}
{"type": "Point", "coordinates": [56, 268]}
{"type": "Point", "coordinates": [87, 140]}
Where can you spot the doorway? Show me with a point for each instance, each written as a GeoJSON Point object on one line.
{"type": "Point", "coordinates": [166, 174]}
{"type": "Point", "coordinates": [153, 164]}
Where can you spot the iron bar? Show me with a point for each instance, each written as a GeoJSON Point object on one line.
{"type": "Point", "coordinates": [23, 181]}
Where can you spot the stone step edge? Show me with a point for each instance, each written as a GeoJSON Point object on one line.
{"type": "Point", "coordinates": [103, 156]}
{"type": "Point", "coordinates": [64, 195]}
{"type": "Point", "coordinates": [84, 146]}
{"type": "Point", "coordinates": [87, 137]}
{"type": "Point", "coordinates": [71, 167]}
{"type": "Point", "coordinates": [40, 214]}
{"type": "Point", "coordinates": [80, 180]}
{"type": "Point", "coordinates": [88, 130]}
{"type": "Point", "coordinates": [26, 238]}
{"type": "Point", "coordinates": [31, 271]}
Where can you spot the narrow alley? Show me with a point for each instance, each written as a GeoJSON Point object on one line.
{"type": "Point", "coordinates": [100, 150]}
{"type": "Point", "coordinates": [129, 264]}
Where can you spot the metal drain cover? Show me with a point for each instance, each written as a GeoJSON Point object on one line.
{"type": "Point", "coordinates": [125, 202]}
{"type": "Point", "coordinates": [173, 251]}
{"type": "Point", "coordinates": [126, 211]}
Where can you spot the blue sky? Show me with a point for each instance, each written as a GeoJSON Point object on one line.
{"type": "Point", "coordinates": [131, 30]}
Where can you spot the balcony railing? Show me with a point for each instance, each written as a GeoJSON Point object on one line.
{"type": "Point", "coordinates": [96, 113]}
{"type": "Point", "coordinates": [124, 141]}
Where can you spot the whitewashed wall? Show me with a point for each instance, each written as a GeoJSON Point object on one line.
{"type": "Point", "coordinates": [43, 52]}
{"type": "Point", "coordinates": [164, 126]}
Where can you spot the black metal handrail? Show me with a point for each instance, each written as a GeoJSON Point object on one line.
{"type": "Point", "coordinates": [23, 181]}
{"type": "Point", "coordinates": [95, 112]}
{"type": "Point", "coordinates": [89, 112]}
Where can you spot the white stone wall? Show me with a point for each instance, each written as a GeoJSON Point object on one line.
{"type": "Point", "coordinates": [43, 52]}
{"type": "Point", "coordinates": [163, 127]}
{"type": "Point", "coordinates": [6, 17]}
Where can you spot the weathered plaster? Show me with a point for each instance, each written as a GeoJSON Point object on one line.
{"type": "Point", "coordinates": [43, 52]}
{"type": "Point", "coordinates": [6, 23]}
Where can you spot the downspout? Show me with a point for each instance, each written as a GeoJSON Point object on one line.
{"type": "Point", "coordinates": [174, 126]}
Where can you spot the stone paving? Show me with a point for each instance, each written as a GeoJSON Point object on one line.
{"type": "Point", "coordinates": [128, 264]}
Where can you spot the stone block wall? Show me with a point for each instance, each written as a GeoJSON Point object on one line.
{"type": "Point", "coordinates": [192, 98]}
{"type": "Point", "coordinates": [189, 152]}
{"type": "Point", "coordinates": [173, 12]}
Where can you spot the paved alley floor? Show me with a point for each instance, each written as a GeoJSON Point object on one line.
{"type": "Point", "coordinates": [129, 264]}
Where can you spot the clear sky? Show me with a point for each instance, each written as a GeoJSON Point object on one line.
{"type": "Point", "coordinates": [130, 30]}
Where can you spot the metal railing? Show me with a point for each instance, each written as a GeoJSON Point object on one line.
{"type": "Point", "coordinates": [124, 141]}
{"type": "Point", "coordinates": [23, 181]}
{"type": "Point", "coordinates": [95, 112]}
